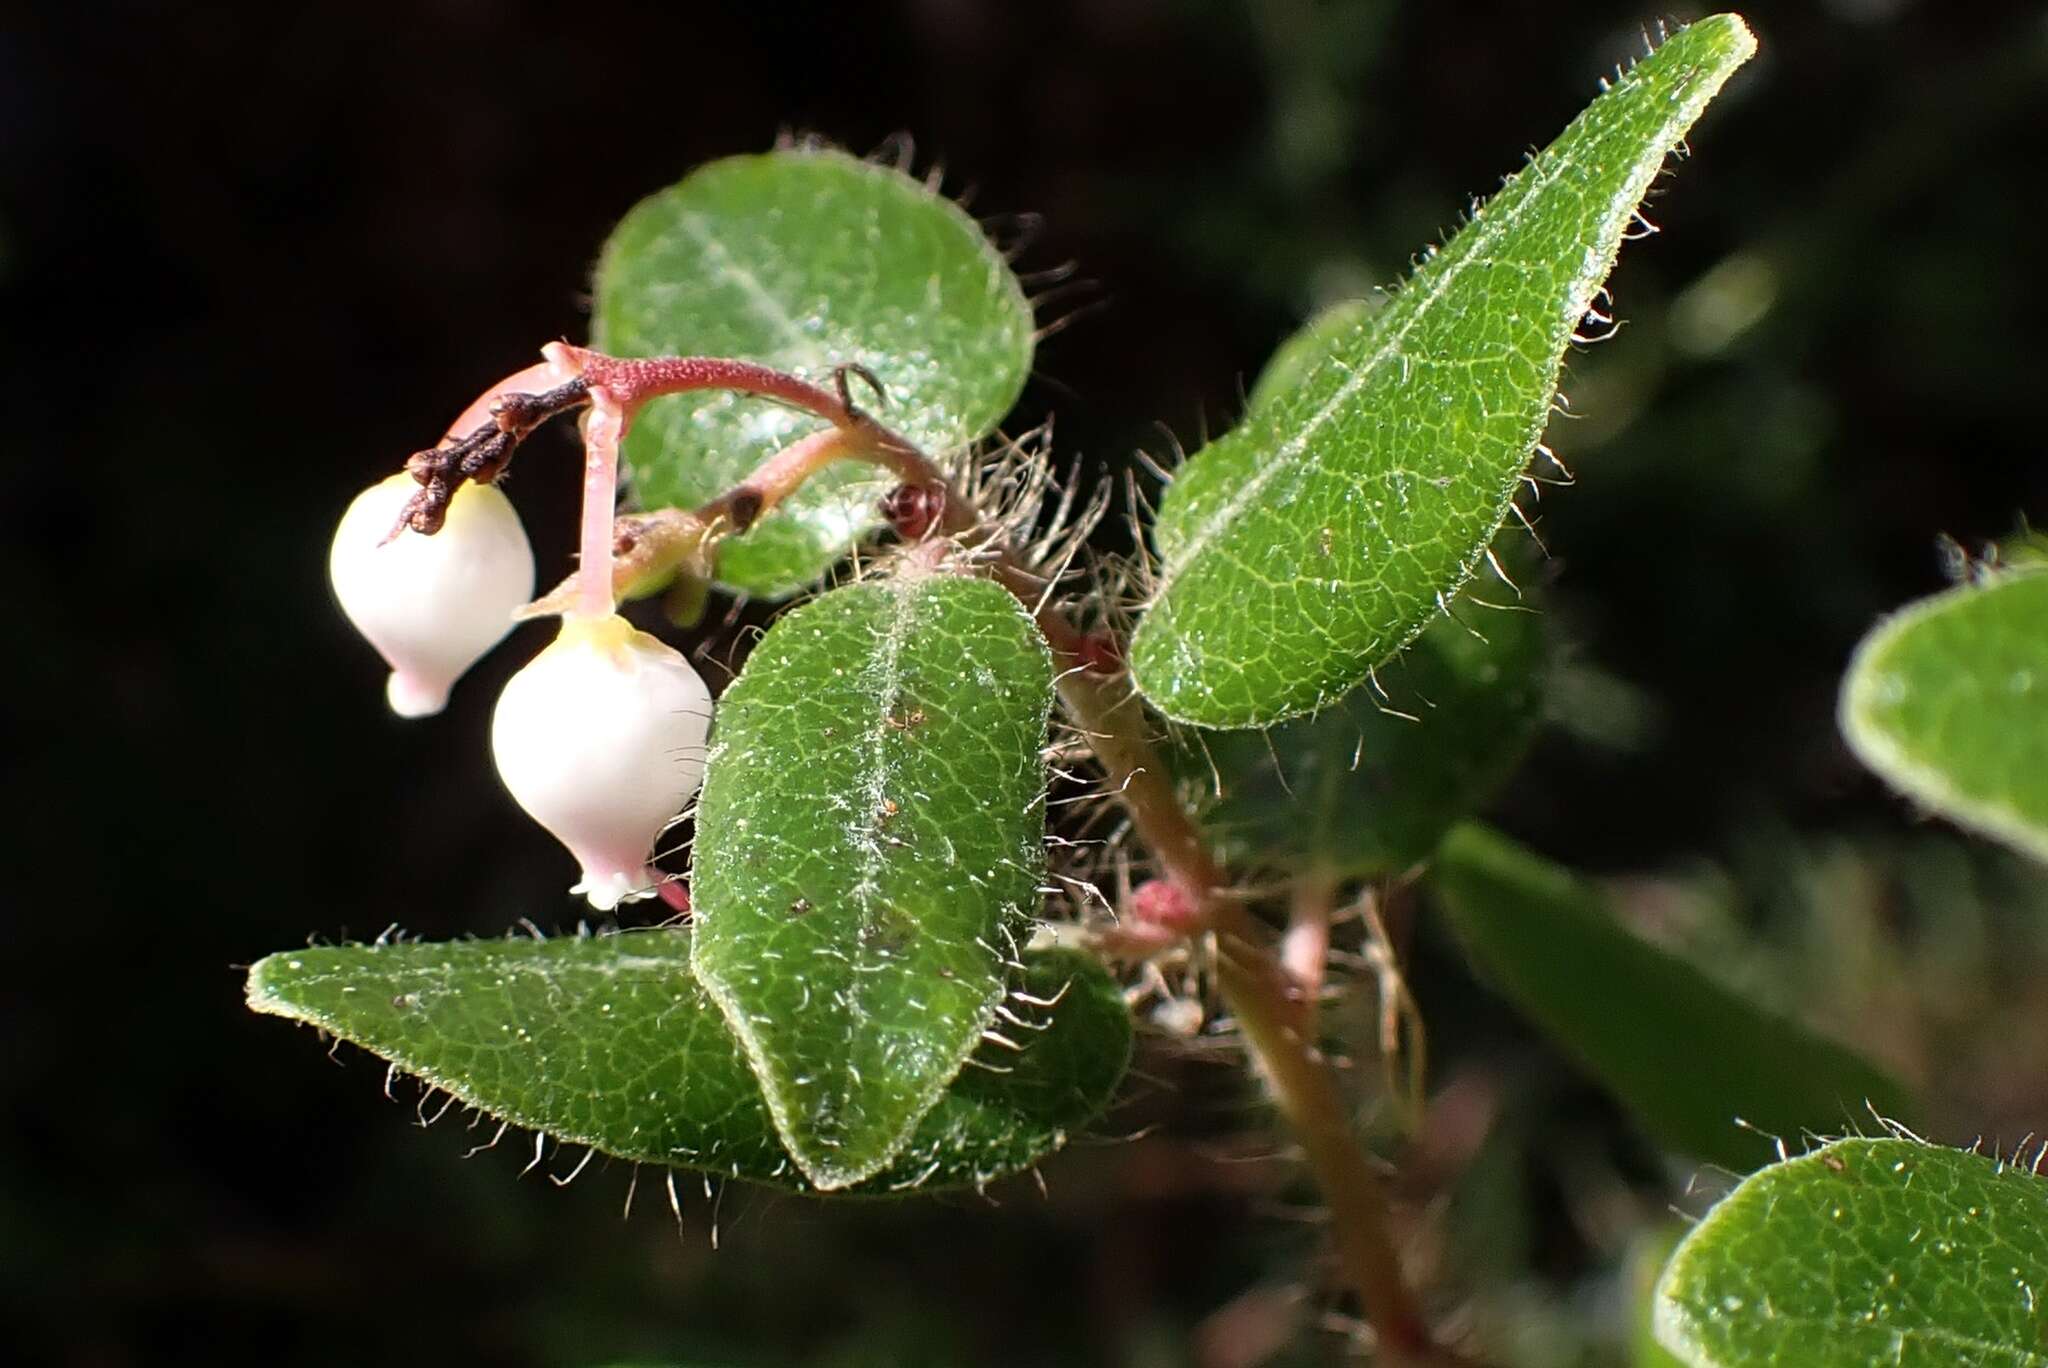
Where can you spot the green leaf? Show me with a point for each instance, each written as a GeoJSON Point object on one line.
{"type": "Point", "coordinates": [1294, 358]}
{"type": "Point", "coordinates": [1370, 785]}
{"type": "Point", "coordinates": [807, 259]}
{"type": "Point", "coordinates": [1686, 1055]}
{"type": "Point", "coordinates": [1948, 700]}
{"type": "Point", "coordinates": [869, 846]}
{"type": "Point", "coordinates": [1647, 1257]}
{"type": "Point", "coordinates": [1325, 531]}
{"type": "Point", "coordinates": [1863, 1252]}
{"type": "Point", "coordinates": [610, 1042]}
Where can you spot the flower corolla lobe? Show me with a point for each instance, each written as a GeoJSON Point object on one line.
{"type": "Point", "coordinates": [601, 740]}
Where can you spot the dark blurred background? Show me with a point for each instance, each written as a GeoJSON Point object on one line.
{"type": "Point", "coordinates": [252, 255]}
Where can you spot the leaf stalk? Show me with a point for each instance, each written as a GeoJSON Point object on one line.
{"type": "Point", "coordinates": [1272, 1008]}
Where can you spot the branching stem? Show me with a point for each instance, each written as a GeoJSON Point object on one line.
{"type": "Point", "coordinates": [1271, 1006]}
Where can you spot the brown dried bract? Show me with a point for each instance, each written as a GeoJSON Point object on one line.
{"type": "Point", "coordinates": [481, 456]}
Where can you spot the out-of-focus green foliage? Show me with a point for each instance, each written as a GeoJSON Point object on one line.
{"type": "Point", "coordinates": [1949, 701]}
{"type": "Point", "coordinates": [1830, 356]}
{"type": "Point", "coordinates": [1694, 1062]}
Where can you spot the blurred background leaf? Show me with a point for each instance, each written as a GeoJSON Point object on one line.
{"type": "Point", "coordinates": [1948, 700]}
{"type": "Point", "coordinates": [1706, 1072]}
{"type": "Point", "coordinates": [1370, 785]}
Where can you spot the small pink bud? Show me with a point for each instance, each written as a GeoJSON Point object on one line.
{"type": "Point", "coordinates": [1163, 903]}
{"type": "Point", "coordinates": [601, 739]}
{"type": "Point", "coordinates": [430, 605]}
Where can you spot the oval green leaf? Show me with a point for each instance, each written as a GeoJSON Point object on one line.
{"type": "Point", "coordinates": [1327, 529]}
{"type": "Point", "coordinates": [1863, 1252]}
{"type": "Point", "coordinates": [1691, 1059]}
{"type": "Point", "coordinates": [1371, 784]}
{"type": "Point", "coordinates": [1948, 700]}
{"type": "Point", "coordinates": [610, 1042]}
{"type": "Point", "coordinates": [806, 259]}
{"type": "Point", "coordinates": [1649, 1254]}
{"type": "Point", "coordinates": [869, 847]}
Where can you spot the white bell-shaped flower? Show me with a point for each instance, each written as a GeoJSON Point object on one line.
{"type": "Point", "coordinates": [430, 605]}
{"type": "Point", "coordinates": [601, 739]}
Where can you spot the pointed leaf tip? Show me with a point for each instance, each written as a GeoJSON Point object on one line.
{"type": "Point", "coordinates": [609, 1041]}
{"type": "Point", "coordinates": [1325, 531]}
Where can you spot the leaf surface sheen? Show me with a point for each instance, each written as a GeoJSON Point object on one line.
{"type": "Point", "coordinates": [869, 848]}
{"type": "Point", "coordinates": [1866, 1251]}
{"type": "Point", "coordinates": [1707, 1071]}
{"type": "Point", "coordinates": [1325, 531]}
{"type": "Point", "coordinates": [1948, 700]}
{"type": "Point", "coordinates": [1367, 787]}
{"type": "Point", "coordinates": [609, 1041]}
{"type": "Point", "coordinates": [805, 259]}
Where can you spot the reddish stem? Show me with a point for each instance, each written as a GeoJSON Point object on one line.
{"type": "Point", "coordinates": [635, 380]}
{"type": "Point", "coordinates": [1266, 1000]}
{"type": "Point", "coordinates": [778, 477]}
{"type": "Point", "coordinates": [602, 433]}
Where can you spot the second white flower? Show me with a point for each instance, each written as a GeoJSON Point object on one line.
{"type": "Point", "coordinates": [601, 738]}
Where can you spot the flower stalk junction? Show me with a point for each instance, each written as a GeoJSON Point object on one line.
{"type": "Point", "coordinates": [606, 690]}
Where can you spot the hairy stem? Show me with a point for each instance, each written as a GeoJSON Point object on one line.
{"type": "Point", "coordinates": [1271, 1006]}
{"type": "Point", "coordinates": [1305, 1091]}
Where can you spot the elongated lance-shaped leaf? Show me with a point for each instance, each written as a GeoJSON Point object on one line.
{"type": "Point", "coordinates": [610, 1042]}
{"type": "Point", "coordinates": [1327, 529]}
{"type": "Point", "coordinates": [1293, 360]}
{"type": "Point", "coordinates": [1862, 1252]}
{"type": "Point", "coordinates": [1693, 1060]}
{"type": "Point", "coordinates": [1948, 701]}
{"type": "Point", "coordinates": [869, 846]}
{"type": "Point", "coordinates": [807, 259]}
{"type": "Point", "coordinates": [1371, 784]}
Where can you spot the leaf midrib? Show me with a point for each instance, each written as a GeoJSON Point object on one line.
{"type": "Point", "coordinates": [1489, 227]}
{"type": "Point", "coordinates": [884, 670]}
{"type": "Point", "coordinates": [885, 663]}
{"type": "Point", "coordinates": [759, 298]}
{"type": "Point", "coordinates": [1463, 249]}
